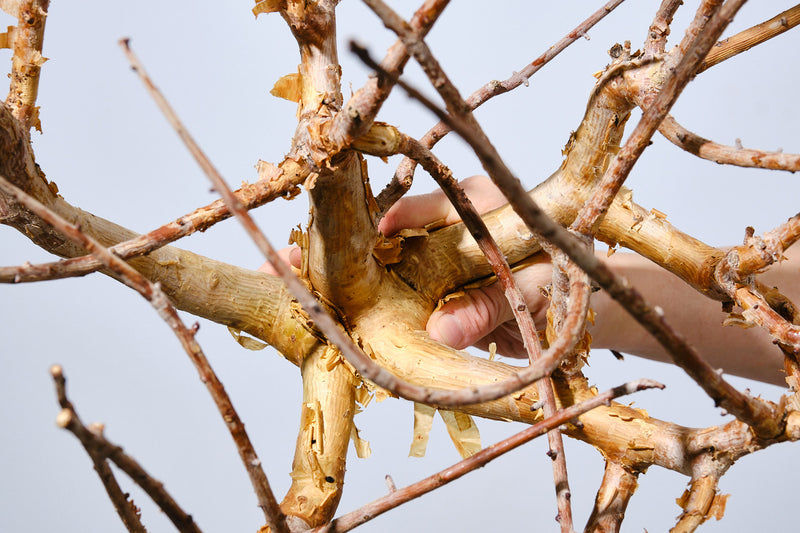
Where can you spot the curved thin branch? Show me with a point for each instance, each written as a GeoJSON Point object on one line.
{"type": "Point", "coordinates": [100, 449]}
{"type": "Point", "coordinates": [726, 155]}
{"type": "Point", "coordinates": [401, 181]}
{"type": "Point", "coordinates": [747, 39]}
{"type": "Point", "coordinates": [481, 458]}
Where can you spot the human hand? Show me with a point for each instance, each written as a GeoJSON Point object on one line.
{"type": "Point", "coordinates": [479, 316]}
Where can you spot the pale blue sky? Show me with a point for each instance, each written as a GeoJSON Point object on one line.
{"type": "Point", "coordinates": [111, 153]}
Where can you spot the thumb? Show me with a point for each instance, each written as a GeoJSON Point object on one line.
{"type": "Point", "coordinates": [465, 320]}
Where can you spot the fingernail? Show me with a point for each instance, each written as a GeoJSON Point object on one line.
{"type": "Point", "coordinates": [447, 329]}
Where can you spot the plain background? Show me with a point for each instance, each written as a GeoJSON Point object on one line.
{"type": "Point", "coordinates": [111, 153]}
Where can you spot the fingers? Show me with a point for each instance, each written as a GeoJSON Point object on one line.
{"type": "Point", "coordinates": [419, 211]}
{"type": "Point", "coordinates": [483, 315]}
{"type": "Point", "coordinates": [289, 255]}
{"type": "Point", "coordinates": [467, 319]}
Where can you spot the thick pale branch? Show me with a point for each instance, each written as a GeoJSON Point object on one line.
{"type": "Point", "coordinates": [326, 424]}
{"type": "Point", "coordinates": [760, 414]}
{"type": "Point", "coordinates": [656, 41]}
{"type": "Point", "coordinates": [655, 109]}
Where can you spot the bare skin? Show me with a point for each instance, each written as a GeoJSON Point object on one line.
{"type": "Point", "coordinates": [483, 316]}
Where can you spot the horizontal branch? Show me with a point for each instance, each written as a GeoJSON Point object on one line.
{"type": "Point", "coordinates": [726, 155]}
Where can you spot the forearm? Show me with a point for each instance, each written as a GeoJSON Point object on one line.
{"type": "Point", "coordinates": [743, 352]}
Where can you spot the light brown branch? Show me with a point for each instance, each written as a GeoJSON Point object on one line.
{"type": "Point", "coordinates": [481, 458]}
{"type": "Point", "coordinates": [99, 448]}
{"type": "Point", "coordinates": [701, 502]}
{"type": "Point", "coordinates": [618, 485]}
{"type": "Point", "coordinates": [726, 155]}
{"type": "Point", "coordinates": [747, 39]}
{"type": "Point", "coordinates": [360, 111]}
{"type": "Point", "coordinates": [659, 29]}
{"type": "Point", "coordinates": [68, 419]}
{"type": "Point", "coordinates": [27, 61]}
{"type": "Point", "coordinates": [282, 184]}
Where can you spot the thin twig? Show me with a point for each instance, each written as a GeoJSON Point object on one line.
{"type": "Point", "coordinates": [747, 39]}
{"type": "Point", "coordinates": [99, 447]}
{"type": "Point", "coordinates": [152, 293]}
{"type": "Point", "coordinates": [68, 419]}
{"type": "Point", "coordinates": [759, 414]}
{"type": "Point", "coordinates": [726, 155]}
{"type": "Point", "coordinates": [27, 61]}
{"type": "Point", "coordinates": [481, 458]}
{"type": "Point", "coordinates": [401, 181]}
{"type": "Point", "coordinates": [282, 184]}
{"type": "Point", "coordinates": [458, 107]}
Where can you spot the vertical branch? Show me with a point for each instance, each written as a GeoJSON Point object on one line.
{"type": "Point", "coordinates": [27, 62]}
{"type": "Point", "coordinates": [360, 110]}
{"type": "Point", "coordinates": [326, 423]}
{"type": "Point", "coordinates": [659, 29]}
